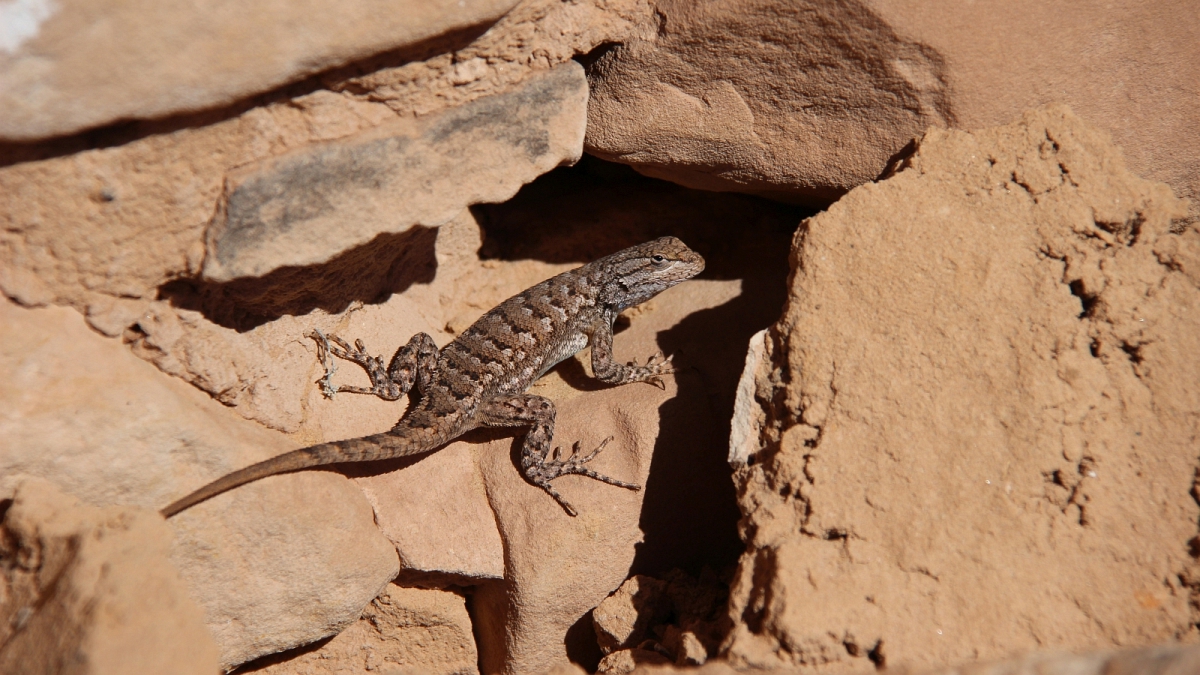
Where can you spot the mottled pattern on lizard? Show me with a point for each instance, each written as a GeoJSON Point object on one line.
{"type": "Point", "coordinates": [480, 378]}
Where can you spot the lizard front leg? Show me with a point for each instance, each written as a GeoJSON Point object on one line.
{"type": "Point", "coordinates": [538, 463]}
{"type": "Point", "coordinates": [414, 363]}
{"type": "Point", "coordinates": [610, 371]}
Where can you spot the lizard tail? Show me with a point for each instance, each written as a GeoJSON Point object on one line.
{"type": "Point", "coordinates": [378, 446]}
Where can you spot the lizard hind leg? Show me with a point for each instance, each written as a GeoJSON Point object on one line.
{"type": "Point", "coordinates": [414, 363]}
{"type": "Point", "coordinates": [538, 463]}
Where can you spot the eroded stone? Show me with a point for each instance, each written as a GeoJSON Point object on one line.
{"type": "Point", "coordinates": [1015, 481]}
{"type": "Point", "coordinates": [89, 590]}
{"type": "Point", "coordinates": [306, 207]}
{"type": "Point", "coordinates": [276, 564]}
{"type": "Point", "coordinates": [71, 65]}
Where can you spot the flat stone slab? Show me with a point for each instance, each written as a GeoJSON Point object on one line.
{"type": "Point", "coordinates": [70, 65]}
{"type": "Point", "coordinates": [306, 207]}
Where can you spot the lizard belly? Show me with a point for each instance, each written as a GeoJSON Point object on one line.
{"type": "Point", "coordinates": [566, 349]}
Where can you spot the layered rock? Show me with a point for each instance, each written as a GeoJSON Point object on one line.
{"type": "Point", "coordinates": [89, 590]}
{"type": "Point", "coordinates": [357, 169]}
{"type": "Point", "coordinates": [67, 66]}
{"type": "Point", "coordinates": [804, 100]}
{"type": "Point", "coordinates": [403, 630]}
{"type": "Point", "coordinates": [975, 423]}
{"type": "Point", "coordinates": [1165, 660]}
{"type": "Point", "coordinates": [110, 429]}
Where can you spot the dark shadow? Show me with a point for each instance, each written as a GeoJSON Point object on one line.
{"type": "Point", "coordinates": [389, 263]}
{"type": "Point", "coordinates": [582, 646]}
{"type": "Point", "coordinates": [898, 161]}
{"type": "Point", "coordinates": [279, 657]}
{"type": "Point", "coordinates": [338, 78]}
{"type": "Point", "coordinates": [577, 214]}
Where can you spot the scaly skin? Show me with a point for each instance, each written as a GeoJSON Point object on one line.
{"type": "Point", "coordinates": [480, 378]}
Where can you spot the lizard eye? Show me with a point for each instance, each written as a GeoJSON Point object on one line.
{"type": "Point", "coordinates": [658, 259]}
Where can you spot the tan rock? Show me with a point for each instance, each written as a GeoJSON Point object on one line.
{"type": "Point", "coordinates": [280, 563]}
{"type": "Point", "coordinates": [685, 645]}
{"type": "Point", "coordinates": [979, 414]}
{"type": "Point", "coordinates": [558, 568]}
{"type": "Point", "coordinates": [786, 99]}
{"type": "Point", "coordinates": [306, 207]}
{"type": "Point", "coordinates": [404, 630]}
{"type": "Point", "coordinates": [65, 235]}
{"type": "Point", "coordinates": [72, 65]}
{"type": "Point", "coordinates": [435, 510]}
{"type": "Point", "coordinates": [89, 590]}
{"type": "Point", "coordinates": [621, 621]}
{"type": "Point", "coordinates": [1161, 660]}
{"type": "Point", "coordinates": [627, 660]}
{"type": "Point", "coordinates": [804, 100]}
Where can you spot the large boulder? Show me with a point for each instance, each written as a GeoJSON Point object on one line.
{"type": "Point", "coordinates": [273, 566]}
{"type": "Point", "coordinates": [71, 65]}
{"type": "Point", "coordinates": [89, 590]}
{"type": "Point", "coordinates": [973, 430]}
{"type": "Point", "coordinates": [198, 242]}
{"type": "Point", "coordinates": [805, 100]}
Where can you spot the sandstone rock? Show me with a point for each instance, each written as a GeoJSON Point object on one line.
{"type": "Point", "coordinates": [89, 590]}
{"type": "Point", "coordinates": [435, 510]}
{"type": "Point", "coordinates": [804, 100]}
{"type": "Point", "coordinates": [404, 630]}
{"type": "Point", "coordinates": [1162, 660]}
{"type": "Point", "coordinates": [66, 233]}
{"type": "Point", "coordinates": [623, 618]}
{"type": "Point", "coordinates": [685, 645]}
{"type": "Point", "coordinates": [793, 100]}
{"type": "Point", "coordinates": [664, 616]}
{"type": "Point", "coordinates": [559, 568]}
{"type": "Point", "coordinates": [978, 414]}
{"type": "Point", "coordinates": [627, 660]}
{"type": "Point", "coordinates": [73, 65]}
{"type": "Point", "coordinates": [280, 563]}
{"type": "Point", "coordinates": [306, 207]}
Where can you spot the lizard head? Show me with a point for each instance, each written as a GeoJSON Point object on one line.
{"type": "Point", "coordinates": [641, 272]}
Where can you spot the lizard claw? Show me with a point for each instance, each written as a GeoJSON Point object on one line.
{"type": "Point", "coordinates": [324, 349]}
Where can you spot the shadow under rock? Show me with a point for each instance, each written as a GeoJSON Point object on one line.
{"type": "Point", "coordinates": [576, 214]}
{"type": "Point", "coordinates": [370, 273]}
{"type": "Point", "coordinates": [336, 78]}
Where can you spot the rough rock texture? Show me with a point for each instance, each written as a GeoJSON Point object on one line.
{"type": "Point", "coordinates": [273, 566]}
{"type": "Point", "coordinates": [1164, 660]}
{"type": "Point", "coordinates": [307, 206]}
{"type": "Point", "coordinates": [798, 100]}
{"type": "Point", "coordinates": [459, 516]}
{"type": "Point", "coordinates": [807, 99]}
{"type": "Point", "coordinates": [114, 223]}
{"type": "Point", "coordinates": [679, 619]}
{"type": "Point", "coordinates": [978, 416]}
{"type": "Point", "coordinates": [623, 618]}
{"type": "Point", "coordinates": [89, 590]}
{"type": "Point", "coordinates": [404, 630]}
{"type": "Point", "coordinates": [70, 65]}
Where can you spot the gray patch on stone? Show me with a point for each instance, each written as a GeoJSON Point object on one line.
{"type": "Point", "coordinates": [298, 190]}
{"type": "Point", "coordinates": [306, 207]}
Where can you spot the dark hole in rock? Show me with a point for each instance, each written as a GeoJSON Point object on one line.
{"type": "Point", "coordinates": [580, 213]}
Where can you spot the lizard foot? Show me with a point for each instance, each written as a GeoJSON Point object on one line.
{"type": "Point", "coordinates": [655, 366]}
{"type": "Point", "coordinates": [381, 384]}
{"type": "Point", "coordinates": [551, 468]}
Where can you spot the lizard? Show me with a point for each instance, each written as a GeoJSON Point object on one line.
{"type": "Point", "coordinates": [480, 378]}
